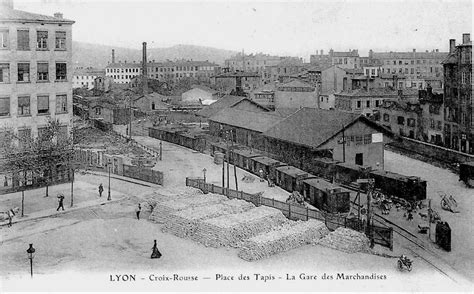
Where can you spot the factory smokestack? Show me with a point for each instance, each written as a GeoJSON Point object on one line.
{"type": "Point", "coordinates": [144, 71]}
{"type": "Point", "coordinates": [113, 56]}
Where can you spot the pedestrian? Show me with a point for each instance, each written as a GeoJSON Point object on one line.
{"type": "Point", "coordinates": [61, 202]}
{"type": "Point", "coordinates": [139, 209]}
{"type": "Point", "coordinates": [262, 175]}
{"type": "Point", "coordinates": [155, 252]}
{"type": "Point", "coordinates": [101, 189]}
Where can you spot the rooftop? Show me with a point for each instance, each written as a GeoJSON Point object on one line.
{"type": "Point", "coordinates": [378, 92]}
{"type": "Point", "coordinates": [224, 102]}
{"type": "Point", "coordinates": [410, 55]}
{"type": "Point", "coordinates": [295, 84]}
{"type": "Point", "coordinates": [255, 121]}
{"type": "Point", "coordinates": [13, 15]}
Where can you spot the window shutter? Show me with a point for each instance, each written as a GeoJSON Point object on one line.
{"type": "Point", "coordinates": [23, 101]}
{"type": "Point", "coordinates": [43, 67]}
{"type": "Point", "coordinates": [43, 102]}
{"type": "Point", "coordinates": [4, 106]}
{"type": "Point", "coordinates": [23, 39]}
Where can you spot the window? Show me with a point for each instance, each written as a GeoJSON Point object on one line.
{"type": "Point", "coordinates": [23, 40]}
{"type": "Point", "coordinates": [43, 104]}
{"type": "Point", "coordinates": [43, 72]}
{"type": "Point", "coordinates": [61, 74]}
{"type": "Point", "coordinates": [24, 105]}
{"type": "Point", "coordinates": [98, 111]}
{"type": "Point", "coordinates": [4, 39]}
{"type": "Point", "coordinates": [4, 72]}
{"type": "Point", "coordinates": [4, 106]}
{"type": "Point", "coordinates": [24, 135]}
{"type": "Point", "coordinates": [411, 122]}
{"type": "Point", "coordinates": [401, 120]}
{"type": "Point", "coordinates": [23, 72]}
{"type": "Point", "coordinates": [42, 40]}
{"type": "Point", "coordinates": [377, 103]}
{"type": "Point", "coordinates": [368, 139]}
{"type": "Point", "coordinates": [61, 103]}
{"type": "Point", "coordinates": [60, 40]}
{"type": "Point", "coordinates": [367, 103]}
{"type": "Point", "coordinates": [359, 104]}
{"type": "Point", "coordinates": [358, 140]}
{"type": "Point", "coordinates": [440, 126]}
{"type": "Point", "coordinates": [386, 117]}
{"type": "Point", "coordinates": [412, 70]}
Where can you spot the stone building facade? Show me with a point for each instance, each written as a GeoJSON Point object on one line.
{"type": "Point", "coordinates": [35, 71]}
{"type": "Point", "coordinates": [458, 103]}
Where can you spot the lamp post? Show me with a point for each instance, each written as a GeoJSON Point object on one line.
{"type": "Point", "coordinates": [161, 151]}
{"type": "Point", "coordinates": [204, 170]}
{"type": "Point", "coordinates": [31, 255]}
{"type": "Point", "coordinates": [108, 167]}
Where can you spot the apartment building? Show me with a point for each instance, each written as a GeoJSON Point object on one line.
{"type": "Point", "coordinates": [176, 70]}
{"type": "Point", "coordinates": [251, 63]}
{"type": "Point", "coordinates": [35, 71]}
{"type": "Point", "coordinates": [123, 72]}
{"type": "Point", "coordinates": [458, 103]}
{"type": "Point", "coordinates": [84, 77]}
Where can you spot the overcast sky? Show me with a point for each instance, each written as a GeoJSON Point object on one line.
{"type": "Point", "coordinates": [281, 27]}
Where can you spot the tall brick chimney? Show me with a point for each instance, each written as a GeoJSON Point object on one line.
{"type": "Point", "coordinates": [113, 56]}
{"type": "Point", "coordinates": [6, 4]}
{"type": "Point", "coordinates": [466, 39]}
{"type": "Point", "coordinates": [452, 45]}
{"type": "Point", "coordinates": [144, 71]}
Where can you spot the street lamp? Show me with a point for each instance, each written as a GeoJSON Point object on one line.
{"type": "Point", "coordinates": [108, 167]}
{"type": "Point", "coordinates": [31, 255]}
{"type": "Point", "coordinates": [204, 170]}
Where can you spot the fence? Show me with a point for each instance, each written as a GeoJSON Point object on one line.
{"type": "Point", "coordinates": [144, 174]}
{"type": "Point", "coordinates": [150, 150]}
{"type": "Point", "coordinates": [381, 235]}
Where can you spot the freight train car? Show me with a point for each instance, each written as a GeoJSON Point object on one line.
{"type": "Point", "coordinates": [242, 158]}
{"type": "Point", "coordinates": [290, 178]}
{"type": "Point", "coordinates": [466, 173]}
{"type": "Point", "coordinates": [268, 165]}
{"type": "Point", "coordinates": [406, 187]}
{"type": "Point", "coordinates": [326, 196]}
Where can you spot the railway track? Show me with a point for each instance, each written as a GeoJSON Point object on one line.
{"type": "Point", "coordinates": [411, 238]}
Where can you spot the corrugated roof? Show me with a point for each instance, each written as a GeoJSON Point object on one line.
{"type": "Point", "coordinates": [225, 102]}
{"type": "Point", "coordinates": [10, 15]}
{"type": "Point", "coordinates": [255, 121]}
{"type": "Point", "coordinates": [310, 126]}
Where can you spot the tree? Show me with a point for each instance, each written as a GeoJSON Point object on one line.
{"type": "Point", "coordinates": [43, 156]}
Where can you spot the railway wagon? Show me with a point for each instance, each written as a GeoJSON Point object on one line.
{"type": "Point", "coordinates": [322, 167]}
{"type": "Point", "coordinates": [347, 173]}
{"type": "Point", "coordinates": [268, 165]}
{"type": "Point", "coordinates": [242, 157]}
{"type": "Point", "coordinates": [290, 178]}
{"type": "Point", "coordinates": [191, 141]}
{"type": "Point", "coordinates": [407, 187]}
{"type": "Point", "coordinates": [218, 147]}
{"type": "Point", "coordinates": [326, 196]}
{"type": "Point", "coordinates": [466, 173]}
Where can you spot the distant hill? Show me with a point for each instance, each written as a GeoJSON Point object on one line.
{"type": "Point", "coordinates": [86, 54]}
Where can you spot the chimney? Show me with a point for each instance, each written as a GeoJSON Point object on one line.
{"type": "Point", "coordinates": [322, 52]}
{"type": "Point", "coordinates": [437, 50]}
{"type": "Point", "coordinates": [144, 69]}
{"type": "Point", "coordinates": [58, 15]}
{"type": "Point", "coordinates": [6, 4]}
{"type": "Point", "coordinates": [113, 56]}
{"type": "Point", "coordinates": [452, 45]}
{"type": "Point", "coordinates": [466, 39]}
{"type": "Point", "coordinates": [414, 50]}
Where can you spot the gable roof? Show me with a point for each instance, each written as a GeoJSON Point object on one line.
{"type": "Point", "coordinates": [313, 127]}
{"type": "Point", "coordinates": [224, 102]}
{"type": "Point", "coordinates": [250, 120]}
{"type": "Point", "coordinates": [203, 88]}
{"type": "Point", "coordinates": [13, 15]}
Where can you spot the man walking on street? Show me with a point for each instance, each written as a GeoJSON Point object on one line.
{"type": "Point", "coordinates": [139, 209]}
{"type": "Point", "coordinates": [101, 189]}
{"type": "Point", "coordinates": [60, 200]}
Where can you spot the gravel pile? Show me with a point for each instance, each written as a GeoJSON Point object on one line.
{"type": "Point", "coordinates": [346, 240]}
{"type": "Point", "coordinates": [289, 236]}
{"type": "Point", "coordinates": [232, 230]}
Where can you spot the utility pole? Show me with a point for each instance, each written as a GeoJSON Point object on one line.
{"type": "Point", "coordinates": [228, 157]}
{"type": "Point", "coordinates": [343, 145]}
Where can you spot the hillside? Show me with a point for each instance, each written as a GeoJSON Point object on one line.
{"type": "Point", "coordinates": [86, 54]}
